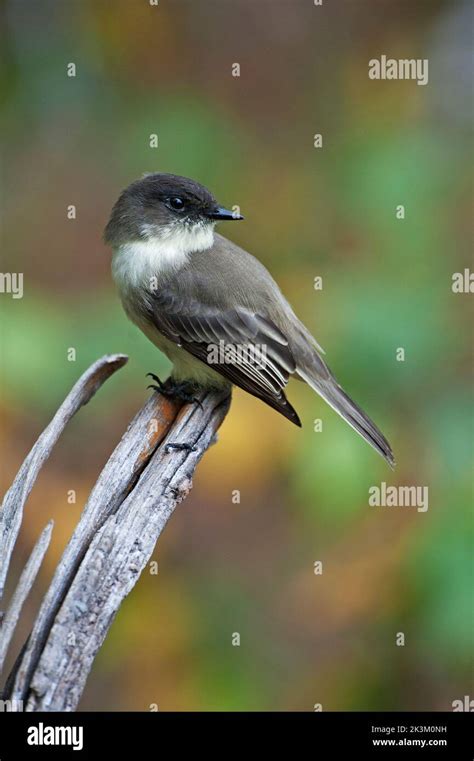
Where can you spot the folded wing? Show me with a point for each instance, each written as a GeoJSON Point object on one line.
{"type": "Point", "coordinates": [246, 348]}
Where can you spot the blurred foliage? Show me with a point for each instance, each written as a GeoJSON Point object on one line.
{"type": "Point", "coordinates": [248, 567]}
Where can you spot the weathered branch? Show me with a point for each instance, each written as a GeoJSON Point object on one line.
{"type": "Point", "coordinates": [11, 511]}
{"type": "Point", "coordinates": [135, 494]}
{"type": "Point", "coordinates": [22, 591]}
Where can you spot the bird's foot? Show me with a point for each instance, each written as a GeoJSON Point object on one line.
{"type": "Point", "coordinates": [158, 385]}
{"type": "Point", "coordinates": [183, 390]}
{"type": "Point", "coordinates": [179, 447]}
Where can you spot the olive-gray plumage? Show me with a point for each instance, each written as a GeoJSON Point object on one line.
{"type": "Point", "coordinates": [190, 289]}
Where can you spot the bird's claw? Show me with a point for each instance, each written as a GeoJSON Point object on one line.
{"type": "Point", "coordinates": [172, 390]}
{"type": "Point", "coordinates": [192, 400]}
{"type": "Point", "coordinates": [179, 447]}
{"type": "Point", "coordinates": [159, 383]}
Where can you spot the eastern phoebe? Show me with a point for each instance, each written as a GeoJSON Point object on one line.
{"type": "Point", "coordinates": [210, 306]}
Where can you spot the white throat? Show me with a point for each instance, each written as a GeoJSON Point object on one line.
{"type": "Point", "coordinates": [134, 264]}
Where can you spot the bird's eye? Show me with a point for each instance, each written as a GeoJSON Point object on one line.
{"type": "Point", "coordinates": [176, 203]}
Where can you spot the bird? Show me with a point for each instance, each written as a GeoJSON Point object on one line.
{"type": "Point", "coordinates": [212, 307]}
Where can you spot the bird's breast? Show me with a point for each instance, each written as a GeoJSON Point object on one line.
{"type": "Point", "coordinates": [141, 264]}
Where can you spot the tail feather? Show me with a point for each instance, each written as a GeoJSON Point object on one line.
{"type": "Point", "coordinates": [337, 398]}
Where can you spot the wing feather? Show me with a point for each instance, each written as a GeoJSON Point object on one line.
{"type": "Point", "coordinates": [265, 361]}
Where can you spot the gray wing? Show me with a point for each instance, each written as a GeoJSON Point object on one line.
{"type": "Point", "coordinates": [262, 360]}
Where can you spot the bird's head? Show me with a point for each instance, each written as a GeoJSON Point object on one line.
{"type": "Point", "coordinates": [164, 206]}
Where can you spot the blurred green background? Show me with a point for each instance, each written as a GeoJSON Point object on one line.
{"type": "Point", "coordinates": [309, 212]}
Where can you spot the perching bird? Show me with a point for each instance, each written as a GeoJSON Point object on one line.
{"type": "Point", "coordinates": [210, 306]}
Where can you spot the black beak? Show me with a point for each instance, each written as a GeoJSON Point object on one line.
{"type": "Point", "coordinates": [219, 213]}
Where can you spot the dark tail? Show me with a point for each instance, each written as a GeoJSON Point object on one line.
{"type": "Point", "coordinates": [334, 395]}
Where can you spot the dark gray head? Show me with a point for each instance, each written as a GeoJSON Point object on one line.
{"type": "Point", "coordinates": [162, 205]}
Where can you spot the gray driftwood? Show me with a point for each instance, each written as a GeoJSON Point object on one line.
{"type": "Point", "coordinates": [140, 486]}
{"type": "Point", "coordinates": [22, 590]}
